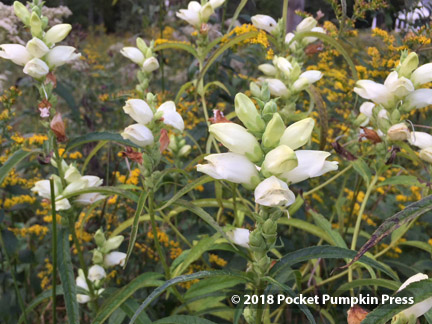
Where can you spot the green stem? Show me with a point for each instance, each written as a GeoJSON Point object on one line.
{"type": "Point", "coordinates": [322, 185]}
{"type": "Point", "coordinates": [20, 300]}
{"type": "Point", "coordinates": [359, 219]}
{"type": "Point", "coordinates": [54, 252]}
{"type": "Point", "coordinates": [285, 15]}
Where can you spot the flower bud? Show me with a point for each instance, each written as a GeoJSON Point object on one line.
{"type": "Point", "coordinates": [306, 25]}
{"type": "Point", "coordinates": [264, 22]}
{"type": "Point", "coordinates": [138, 134]}
{"type": "Point", "coordinates": [151, 64]}
{"type": "Point", "coordinates": [270, 108]}
{"type": "Point", "coordinates": [300, 84]}
{"type": "Point", "coordinates": [141, 44]}
{"type": "Point", "coordinates": [422, 75]}
{"type": "Point", "coordinates": [231, 167]}
{"type": "Point", "coordinates": [96, 272]}
{"type": "Point", "coordinates": [185, 150]}
{"type": "Point", "coordinates": [298, 134]}
{"type": "Point", "coordinates": [237, 139]}
{"type": "Point", "coordinates": [255, 89]}
{"type": "Point", "coordinates": [57, 33]}
{"type": "Point", "coordinates": [72, 174]}
{"type": "Point", "coordinates": [22, 12]}
{"type": "Point", "coordinates": [273, 192]}
{"type": "Point", "coordinates": [248, 114]}
{"type": "Point", "coordinates": [426, 154]}
{"type": "Point", "coordinates": [16, 53]}
{"type": "Point", "coordinates": [170, 116]}
{"type": "Point", "coordinates": [269, 226]}
{"type": "Point", "coordinates": [277, 87]}
{"type": "Point", "coordinates": [267, 69]}
{"type": "Point", "coordinates": [256, 240]}
{"type": "Point", "coordinates": [279, 160]}
{"type": "Point", "coordinates": [35, 25]}
{"type": "Point", "coordinates": [114, 258]}
{"type": "Point", "coordinates": [398, 132]}
{"type": "Point", "coordinates": [133, 54]}
{"type": "Point", "coordinates": [99, 238]}
{"type": "Point", "coordinates": [36, 68]}
{"type": "Point", "coordinates": [139, 111]}
{"type": "Point", "coordinates": [239, 236]}
{"type": "Point", "coordinates": [98, 257]}
{"type": "Point", "coordinates": [205, 12]}
{"type": "Point", "coordinates": [312, 76]}
{"type": "Point", "coordinates": [273, 132]}
{"type": "Point", "coordinates": [409, 64]}
{"type": "Point", "coordinates": [113, 243]}
{"type": "Point", "coordinates": [283, 65]}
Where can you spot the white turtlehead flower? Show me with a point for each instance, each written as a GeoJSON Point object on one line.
{"type": "Point", "coordinates": [57, 33]}
{"type": "Point", "coordinates": [277, 87]}
{"type": "Point", "coordinates": [36, 68]}
{"type": "Point", "coordinates": [267, 69]}
{"type": "Point", "coordinates": [139, 111]}
{"type": "Point", "coordinates": [420, 139]}
{"type": "Point", "coordinates": [418, 99]}
{"type": "Point", "coordinates": [374, 91]}
{"type": "Point", "coordinates": [366, 108]}
{"type": "Point", "coordinates": [62, 204]}
{"type": "Point", "coordinates": [283, 65]}
{"type": "Point", "coordinates": [288, 39]}
{"type": "Point", "coordinates": [231, 167]}
{"type": "Point", "coordinates": [309, 40]}
{"type": "Point", "coordinates": [264, 22]}
{"type": "Point", "coordinates": [273, 192]}
{"type": "Point", "coordinates": [170, 116]}
{"type": "Point", "coordinates": [422, 75]}
{"type": "Point", "coordinates": [16, 53]}
{"type": "Point", "coordinates": [61, 55]}
{"type": "Point", "coordinates": [298, 134]}
{"type": "Point", "coordinates": [96, 272]}
{"type": "Point", "coordinates": [43, 189]}
{"type": "Point", "coordinates": [196, 14]}
{"type": "Point", "coordinates": [398, 86]}
{"type": "Point", "coordinates": [138, 134]}
{"type": "Point", "coordinates": [312, 76]}
{"type": "Point", "coordinates": [306, 25]}
{"type": "Point", "coordinates": [426, 154]}
{"type": "Point", "coordinates": [310, 164]}
{"type": "Point", "coordinates": [420, 308]}
{"type": "Point", "coordinates": [89, 198]}
{"type": "Point", "coordinates": [237, 139]}
{"type": "Point", "coordinates": [36, 47]}
{"type": "Point", "coordinates": [239, 236]}
{"type": "Point", "coordinates": [279, 160]}
{"type": "Point", "coordinates": [114, 258]}
{"type": "Point", "coordinates": [151, 64]}
{"type": "Point", "coordinates": [72, 174]}
{"type": "Point", "coordinates": [81, 283]}
{"type": "Point", "coordinates": [133, 54]}
{"type": "Point", "coordinates": [216, 3]}
{"type": "Point", "coordinates": [399, 132]}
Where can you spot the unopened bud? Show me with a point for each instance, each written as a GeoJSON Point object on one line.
{"type": "Point", "coordinates": [408, 65]}
{"type": "Point", "coordinates": [273, 132]}
{"type": "Point", "coordinates": [22, 12]}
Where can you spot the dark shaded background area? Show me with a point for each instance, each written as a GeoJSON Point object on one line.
{"type": "Point", "coordinates": [133, 15]}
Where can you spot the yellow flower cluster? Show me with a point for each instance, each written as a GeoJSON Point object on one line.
{"type": "Point", "coordinates": [45, 275]}
{"type": "Point", "coordinates": [16, 200]}
{"type": "Point", "coordinates": [132, 179]}
{"type": "Point", "coordinates": [36, 230]}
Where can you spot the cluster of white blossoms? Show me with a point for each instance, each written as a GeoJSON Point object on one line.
{"type": "Point", "coordinates": [285, 79]}
{"type": "Point", "coordinates": [40, 55]}
{"type": "Point", "coordinates": [145, 116]}
{"type": "Point", "coordinates": [199, 13]}
{"type": "Point", "coordinates": [400, 93]}
{"type": "Point", "coordinates": [74, 182]}
{"type": "Point", "coordinates": [103, 258]}
{"type": "Point", "coordinates": [267, 167]}
{"type": "Point", "coordinates": [142, 55]}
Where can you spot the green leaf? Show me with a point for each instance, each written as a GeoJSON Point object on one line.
{"type": "Point", "coordinates": [134, 231]}
{"type": "Point", "coordinates": [236, 14]}
{"type": "Point", "coordinates": [326, 252]}
{"type": "Point", "coordinates": [217, 84]}
{"type": "Point", "coordinates": [99, 136]}
{"type": "Point", "coordinates": [419, 245]}
{"type": "Point", "coordinates": [323, 223]}
{"type": "Point", "coordinates": [129, 307]}
{"type": "Point", "coordinates": [105, 190]}
{"type": "Point", "coordinates": [183, 89]}
{"type": "Point", "coordinates": [389, 284]}
{"type": "Point", "coordinates": [65, 267]}
{"type": "Point", "coordinates": [404, 180]}
{"type": "Point", "coordinates": [13, 160]}
{"type": "Point", "coordinates": [307, 227]}
{"type": "Point", "coordinates": [210, 285]}
{"type": "Point", "coordinates": [189, 187]}
{"type": "Point", "coordinates": [183, 319]}
{"type": "Point", "coordinates": [194, 254]}
{"type": "Point", "coordinates": [362, 169]}
{"type": "Point", "coordinates": [204, 216]}
{"type": "Point", "coordinates": [419, 291]}
{"type": "Point", "coordinates": [198, 275]}
{"type": "Point", "coordinates": [39, 299]}
{"type": "Point", "coordinates": [291, 293]}
{"type": "Point", "coordinates": [412, 211]}
{"type": "Point", "coordinates": [175, 45]}
{"type": "Point", "coordinates": [149, 279]}
{"type": "Point", "coordinates": [92, 153]}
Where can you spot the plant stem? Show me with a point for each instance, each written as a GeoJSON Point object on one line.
{"type": "Point", "coordinates": [54, 252]}
{"type": "Point", "coordinates": [8, 260]}
{"type": "Point", "coordinates": [358, 221]}
{"type": "Point", "coordinates": [327, 182]}
{"type": "Point", "coordinates": [285, 15]}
